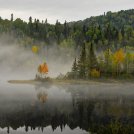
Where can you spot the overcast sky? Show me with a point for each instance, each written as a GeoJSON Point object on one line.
{"type": "Point", "coordinates": [70, 10]}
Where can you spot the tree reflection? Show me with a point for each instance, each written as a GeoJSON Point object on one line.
{"type": "Point", "coordinates": [85, 112]}
{"type": "Point", "coordinates": [42, 97]}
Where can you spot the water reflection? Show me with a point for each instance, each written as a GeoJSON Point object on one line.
{"type": "Point", "coordinates": [72, 108]}
{"type": "Point", "coordinates": [42, 97]}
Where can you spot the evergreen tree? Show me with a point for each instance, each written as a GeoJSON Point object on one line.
{"type": "Point", "coordinates": [37, 25]}
{"type": "Point", "coordinates": [123, 31]}
{"type": "Point", "coordinates": [65, 32]}
{"type": "Point", "coordinates": [93, 64]}
{"type": "Point", "coordinates": [58, 31]}
{"type": "Point", "coordinates": [75, 68]}
{"type": "Point", "coordinates": [120, 37]}
{"type": "Point", "coordinates": [46, 21]}
{"type": "Point", "coordinates": [82, 63]}
{"type": "Point", "coordinates": [12, 17]}
{"type": "Point", "coordinates": [45, 31]}
{"type": "Point", "coordinates": [30, 19]}
{"type": "Point", "coordinates": [30, 26]}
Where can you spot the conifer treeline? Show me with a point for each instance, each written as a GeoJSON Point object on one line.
{"type": "Point", "coordinates": [111, 30]}
{"type": "Point", "coordinates": [86, 62]}
{"type": "Point", "coordinates": [108, 63]}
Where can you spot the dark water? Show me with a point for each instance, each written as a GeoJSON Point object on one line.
{"type": "Point", "coordinates": [64, 109]}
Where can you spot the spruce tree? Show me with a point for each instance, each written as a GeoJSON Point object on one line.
{"type": "Point", "coordinates": [12, 17]}
{"type": "Point", "coordinates": [93, 64]}
{"type": "Point", "coordinates": [82, 63]}
{"type": "Point", "coordinates": [65, 31]}
{"type": "Point", "coordinates": [74, 69]}
{"type": "Point", "coordinates": [30, 19]}
{"type": "Point", "coordinates": [30, 26]}
{"type": "Point", "coordinates": [46, 21]}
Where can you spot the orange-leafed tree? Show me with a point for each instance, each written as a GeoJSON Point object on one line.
{"type": "Point", "coordinates": [43, 69]}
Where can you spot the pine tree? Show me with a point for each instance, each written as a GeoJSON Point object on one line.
{"type": "Point", "coordinates": [58, 31]}
{"type": "Point", "coordinates": [120, 37]}
{"type": "Point", "coordinates": [74, 68]}
{"type": "Point", "coordinates": [30, 19]}
{"type": "Point", "coordinates": [65, 31]}
{"type": "Point", "coordinates": [46, 21]}
{"type": "Point", "coordinates": [12, 17]}
{"type": "Point", "coordinates": [30, 26]}
{"type": "Point", "coordinates": [93, 64]}
{"type": "Point", "coordinates": [82, 63]}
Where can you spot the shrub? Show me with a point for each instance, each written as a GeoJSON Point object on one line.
{"type": "Point", "coordinates": [95, 73]}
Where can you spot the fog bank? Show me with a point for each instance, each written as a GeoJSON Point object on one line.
{"type": "Point", "coordinates": [17, 62]}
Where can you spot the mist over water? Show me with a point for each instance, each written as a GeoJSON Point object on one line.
{"type": "Point", "coordinates": [17, 62]}
{"type": "Point", "coordinates": [55, 108]}
{"type": "Point", "coordinates": [63, 109]}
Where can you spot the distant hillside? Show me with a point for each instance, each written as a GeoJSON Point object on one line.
{"type": "Point", "coordinates": [110, 30]}
{"type": "Point", "coordinates": [117, 19]}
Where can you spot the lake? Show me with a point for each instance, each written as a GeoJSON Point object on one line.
{"type": "Point", "coordinates": [65, 109]}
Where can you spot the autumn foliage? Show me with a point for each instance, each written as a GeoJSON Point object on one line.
{"type": "Point", "coordinates": [35, 49]}
{"type": "Point", "coordinates": [95, 73]}
{"type": "Point", "coordinates": [119, 56]}
{"type": "Point", "coordinates": [43, 68]}
{"type": "Point", "coordinates": [109, 63]}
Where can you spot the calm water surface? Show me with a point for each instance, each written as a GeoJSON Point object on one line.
{"type": "Point", "coordinates": [63, 109]}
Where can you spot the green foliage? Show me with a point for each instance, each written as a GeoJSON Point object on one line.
{"type": "Point", "coordinates": [112, 27]}
{"type": "Point", "coordinates": [113, 128]}
{"type": "Point", "coordinates": [82, 63]}
{"type": "Point", "coordinates": [95, 73]}
{"type": "Point", "coordinates": [75, 69]}
{"type": "Point", "coordinates": [107, 64]}
{"type": "Point", "coordinates": [92, 58]}
{"type": "Point", "coordinates": [108, 33]}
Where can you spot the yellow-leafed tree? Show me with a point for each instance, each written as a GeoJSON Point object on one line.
{"type": "Point", "coordinates": [95, 73]}
{"type": "Point", "coordinates": [118, 57]}
{"type": "Point", "coordinates": [35, 49]}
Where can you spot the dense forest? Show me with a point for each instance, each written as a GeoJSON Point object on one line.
{"type": "Point", "coordinates": [112, 30]}
{"type": "Point", "coordinates": [105, 42]}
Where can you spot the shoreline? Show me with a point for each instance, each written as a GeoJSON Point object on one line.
{"type": "Point", "coordinates": [57, 81]}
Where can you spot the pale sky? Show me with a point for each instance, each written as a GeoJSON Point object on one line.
{"type": "Point", "coordinates": [70, 10]}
